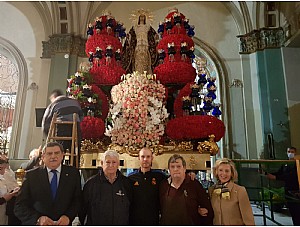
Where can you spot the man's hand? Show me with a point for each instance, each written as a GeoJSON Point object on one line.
{"type": "Point", "coordinates": [44, 220]}
{"type": "Point", "coordinates": [8, 196]}
{"type": "Point", "coordinates": [271, 176]}
{"type": "Point", "coordinates": [192, 175]}
{"type": "Point", "coordinates": [202, 211]}
{"type": "Point", "coordinates": [64, 220]}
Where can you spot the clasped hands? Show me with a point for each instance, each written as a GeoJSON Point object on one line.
{"type": "Point", "coordinates": [44, 220]}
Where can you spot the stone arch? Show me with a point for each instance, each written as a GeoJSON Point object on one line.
{"type": "Point", "coordinates": [224, 89]}
{"type": "Point", "coordinates": [14, 54]}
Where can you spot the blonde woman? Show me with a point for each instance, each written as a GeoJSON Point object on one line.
{"type": "Point", "coordinates": [230, 201]}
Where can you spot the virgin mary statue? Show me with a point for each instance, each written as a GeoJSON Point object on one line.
{"type": "Point", "coordinates": [139, 50]}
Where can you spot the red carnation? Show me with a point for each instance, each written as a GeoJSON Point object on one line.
{"type": "Point", "coordinates": [92, 128]}
{"type": "Point", "coordinates": [195, 127]}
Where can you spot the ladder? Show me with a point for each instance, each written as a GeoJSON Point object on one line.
{"type": "Point", "coordinates": [52, 136]}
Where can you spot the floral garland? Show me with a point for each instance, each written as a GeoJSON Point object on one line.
{"type": "Point", "coordinates": [101, 41]}
{"type": "Point", "coordinates": [89, 96]}
{"type": "Point", "coordinates": [138, 114]}
{"type": "Point", "coordinates": [92, 128]}
{"type": "Point", "coordinates": [175, 73]}
{"type": "Point", "coordinates": [195, 127]}
{"type": "Point", "coordinates": [104, 105]}
{"type": "Point", "coordinates": [177, 39]}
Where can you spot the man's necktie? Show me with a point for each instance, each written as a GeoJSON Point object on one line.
{"type": "Point", "coordinates": [53, 183]}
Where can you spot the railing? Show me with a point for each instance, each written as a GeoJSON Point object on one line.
{"type": "Point", "coordinates": [250, 173]}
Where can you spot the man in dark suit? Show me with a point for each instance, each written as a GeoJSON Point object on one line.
{"type": "Point", "coordinates": [50, 195]}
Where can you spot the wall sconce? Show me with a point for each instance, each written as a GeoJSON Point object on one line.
{"type": "Point", "coordinates": [33, 86]}
{"type": "Point", "coordinates": [236, 83]}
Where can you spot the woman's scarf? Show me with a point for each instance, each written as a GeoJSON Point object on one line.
{"type": "Point", "coordinates": [222, 190]}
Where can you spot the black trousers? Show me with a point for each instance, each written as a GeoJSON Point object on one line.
{"type": "Point", "coordinates": [294, 208]}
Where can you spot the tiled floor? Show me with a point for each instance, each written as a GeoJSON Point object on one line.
{"type": "Point", "coordinates": [283, 217]}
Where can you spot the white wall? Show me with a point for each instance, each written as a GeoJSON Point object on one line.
{"type": "Point", "coordinates": [20, 24]}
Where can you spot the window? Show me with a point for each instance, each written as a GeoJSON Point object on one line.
{"type": "Point", "coordinates": [271, 15]}
{"type": "Point", "coordinates": [64, 28]}
{"type": "Point", "coordinates": [63, 13]}
{"type": "Point", "coordinates": [9, 77]}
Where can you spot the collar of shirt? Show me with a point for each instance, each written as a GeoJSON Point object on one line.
{"type": "Point", "coordinates": [50, 174]}
{"type": "Point", "coordinates": [58, 169]}
{"type": "Point", "coordinates": [113, 179]}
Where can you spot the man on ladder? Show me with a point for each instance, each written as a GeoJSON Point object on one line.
{"type": "Point", "coordinates": [64, 107]}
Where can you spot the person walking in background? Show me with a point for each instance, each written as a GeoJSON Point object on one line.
{"type": "Point", "coordinates": [183, 201]}
{"type": "Point", "coordinates": [65, 107]}
{"type": "Point", "coordinates": [145, 205]}
{"type": "Point", "coordinates": [230, 201]}
{"type": "Point", "coordinates": [288, 174]}
{"type": "Point", "coordinates": [107, 196]}
{"type": "Point", "coordinates": [50, 195]}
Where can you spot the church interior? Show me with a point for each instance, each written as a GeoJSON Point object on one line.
{"type": "Point", "coordinates": [251, 49]}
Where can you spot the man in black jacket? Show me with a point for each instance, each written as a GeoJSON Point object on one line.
{"type": "Point", "coordinates": [288, 174]}
{"type": "Point", "coordinates": [145, 181]}
{"type": "Point", "coordinates": [107, 196]}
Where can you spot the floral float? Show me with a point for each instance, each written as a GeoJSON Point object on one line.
{"type": "Point", "coordinates": [138, 114]}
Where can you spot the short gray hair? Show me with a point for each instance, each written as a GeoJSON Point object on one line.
{"type": "Point", "coordinates": [111, 153]}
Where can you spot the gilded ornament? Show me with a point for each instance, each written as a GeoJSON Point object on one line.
{"type": "Point", "coordinates": [226, 195]}
{"type": "Point", "coordinates": [209, 146]}
{"type": "Point", "coordinates": [20, 175]}
{"type": "Point", "coordinates": [218, 191]}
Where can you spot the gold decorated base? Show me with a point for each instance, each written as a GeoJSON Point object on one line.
{"type": "Point", "coordinates": [195, 161]}
{"type": "Point", "coordinates": [199, 159]}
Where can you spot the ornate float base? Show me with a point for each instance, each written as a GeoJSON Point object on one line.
{"type": "Point", "coordinates": [195, 161]}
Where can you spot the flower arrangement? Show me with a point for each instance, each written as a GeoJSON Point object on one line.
{"type": "Point", "coordinates": [104, 49]}
{"type": "Point", "coordinates": [138, 113]}
{"type": "Point", "coordinates": [175, 73]}
{"type": "Point", "coordinates": [107, 75]}
{"type": "Point", "coordinates": [177, 39]}
{"type": "Point", "coordinates": [91, 98]}
{"type": "Point", "coordinates": [185, 91]}
{"type": "Point", "coordinates": [92, 128]}
{"type": "Point", "coordinates": [104, 100]}
{"type": "Point", "coordinates": [195, 127]}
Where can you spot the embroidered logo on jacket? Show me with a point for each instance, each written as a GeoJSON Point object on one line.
{"type": "Point", "coordinates": [153, 181]}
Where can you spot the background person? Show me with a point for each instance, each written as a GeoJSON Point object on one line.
{"type": "Point", "coordinates": [230, 201]}
{"type": "Point", "coordinates": [180, 197]}
{"type": "Point", "coordinates": [34, 159]}
{"type": "Point", "coordinates": [8, 191]}
{"type": "Point", "coordinates": [65, 107]}
{"type": "Point", "coordinates": [107, 196]}
{"type": "Point", "coordinates": [37, 203]}
{"type": "Point", "coordinates": [288, 174]}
